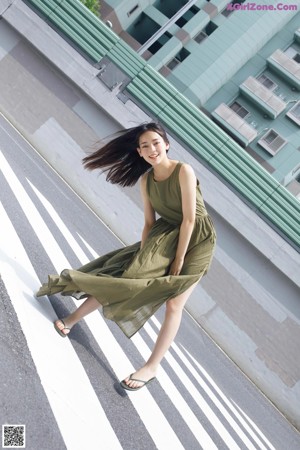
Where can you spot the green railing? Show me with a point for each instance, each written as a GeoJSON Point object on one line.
{"type": "Point", "coordinates": [183, 119]}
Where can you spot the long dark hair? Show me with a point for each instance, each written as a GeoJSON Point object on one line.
{"type": "Point", "coordinates": [119, 157]}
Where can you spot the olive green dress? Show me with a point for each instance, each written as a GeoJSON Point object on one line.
{"type": "Point", "coordinates": [132, 283]}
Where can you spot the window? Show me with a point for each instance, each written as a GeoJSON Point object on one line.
{"type": "Point", "coordinates": [157, 45]}
{"type": "Point", "coordinates": [297, 58]}
{"type": "Point", "coordinates": [272, 142]}
{"type": "Point", "coordinates": [184, 53]}
{"type": "Point", "coordinates": [132, 10]}
{"type": "Point", "coordinates": [267, 82]}
{"type": "Point", "coordinates": [293, 51]}
{"type": "Point", "coordinates": [188, 15]}
{"type": "Point", "coordinates": [194, 9]}
{"type": "Point", "coordinates": [181, 21]}
{"type": "Point", "coordinates": [239, 110]}
{"type": "Point", "coordinates": [210, 28]}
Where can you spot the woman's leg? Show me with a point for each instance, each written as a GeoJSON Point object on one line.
{"type": "Point", "coordinates": [165, 338]}
{"type": "Point", "coordinates": [88, 306]}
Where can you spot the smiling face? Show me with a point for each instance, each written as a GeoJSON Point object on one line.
{"type": "Point", "coordinates": [152, 147]}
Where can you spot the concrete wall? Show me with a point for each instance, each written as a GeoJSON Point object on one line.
{"type": "Point", "coordinates": [126, 11]}
{"type": "Point", "coordinates": [249, 302]}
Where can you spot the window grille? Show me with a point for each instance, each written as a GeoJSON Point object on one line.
{"type": "Point", "coordinates": [272, 142]}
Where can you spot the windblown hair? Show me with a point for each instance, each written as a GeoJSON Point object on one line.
{"type": "Point", "coordinates": [119, 157]}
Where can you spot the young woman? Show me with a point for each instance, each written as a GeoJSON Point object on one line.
{"type": "Point", "coordinates": [174, 253]}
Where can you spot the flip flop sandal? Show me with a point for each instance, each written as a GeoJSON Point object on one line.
{"type": "Point", "coordinates": [128, 388]}
{"type": "Point", "coordinates": [60, 331]}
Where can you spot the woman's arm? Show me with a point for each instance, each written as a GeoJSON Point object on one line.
{"type": "Point", "coordinates": [187, 180]}
{"type": "Point", "coordinates": [149, 212]}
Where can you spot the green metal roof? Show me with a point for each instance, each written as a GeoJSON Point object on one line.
{"type": "Point", "coordinates": [184, 120]}
{"type": "Point", "coordinates": [79, 25]}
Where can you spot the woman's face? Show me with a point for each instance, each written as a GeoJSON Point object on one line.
{"type": "Point", "coordinates": [152, 147]}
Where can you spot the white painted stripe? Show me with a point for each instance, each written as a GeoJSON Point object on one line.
{"type": "Point", "coordinates": [255, 436]}
{"type": "Point", "coordinates": [61, 226]}
{"type": "Point", "coordinates": [161, 432]}
{"type": "Point", "coordinates": [216, 401]}
{"type": "Point", "coordinates": [33, 216]}
{"type": "Point", "coordinates": [178, 401]}
{"type": "Point", "coordinates": [195, 394]}
{"type": "Point", "coordinates": [80, 417]}
{"type": "Point", "coordinates": [156, 423]}
{"type": "Point", "coordinates": [117, 361]}
{"type": "Point", "coordinates": [255, 428]}
{"type": "Point", "coordinates": [90, 249]}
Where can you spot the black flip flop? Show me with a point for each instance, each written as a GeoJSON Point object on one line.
{"type": "Point", "coordinates": [128, 388]}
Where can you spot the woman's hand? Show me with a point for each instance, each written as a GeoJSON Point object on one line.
{"type": "Point", "coordinates": [176, 266]}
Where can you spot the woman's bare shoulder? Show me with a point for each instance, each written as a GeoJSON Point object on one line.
{"type": "Point", "coordinates": [186, 170]}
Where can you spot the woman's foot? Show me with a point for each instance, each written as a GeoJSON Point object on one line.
{"type": "Point", "coordinates": [62, 327]}
{"type": "Point", "coordinates": [139, 379]}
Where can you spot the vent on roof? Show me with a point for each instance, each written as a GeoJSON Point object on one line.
{"type": "Point", "coordinates": [226, 12]}
{"type": "Point", "coordinates": [132, 10]}
{"type": "Point", "coordinates": [200, 37]}
{"type": "Point", "coordinates": [272, 142]}
{"type": "Point", "coordinates": [184, 53]}
{"type": "Point", "coordinates": [294, 113]}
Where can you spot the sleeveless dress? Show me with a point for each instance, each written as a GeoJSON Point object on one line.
{"type": "Point", "coordinates": [132, 283]}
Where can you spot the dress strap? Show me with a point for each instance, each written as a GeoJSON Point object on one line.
{"type": "Point", "coordinates": [148, 181]}
{"type": "Point", "coordinates": [177, 168]}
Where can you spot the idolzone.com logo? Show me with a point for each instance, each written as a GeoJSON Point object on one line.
{"type": "Point", "coordinates": [252, 6]}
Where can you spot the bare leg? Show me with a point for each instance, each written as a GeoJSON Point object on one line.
{"type": "Point", "coordinates": [165, 338]}
{"type": "Point", "coordinates": [88, 306]}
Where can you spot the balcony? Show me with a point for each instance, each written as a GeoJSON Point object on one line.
{"type": "Point", "coordinates": [235, 124]}
{"type": "Point", "coordinates": [286, 67]}
{"type": "Point", "coordinates": [294, 113]}
{"type": "Point", "coordinates": [263, 97]}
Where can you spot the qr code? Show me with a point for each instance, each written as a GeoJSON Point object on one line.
{"type": "Point", "coordinates": [13, 436]}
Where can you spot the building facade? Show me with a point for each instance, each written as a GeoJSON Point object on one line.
{"type": "Point", "coordinates": [240, 65]}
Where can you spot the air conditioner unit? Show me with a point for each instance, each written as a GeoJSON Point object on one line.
{"type": "Point", "coordinates": [272, 142]}
{"type": "Point", "coordinates": [200, 37]}
{"type": "Point", "coordinates": [294, 113]}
